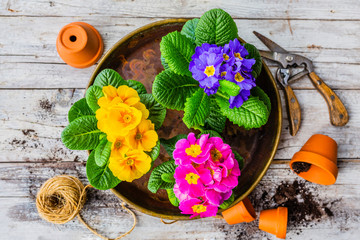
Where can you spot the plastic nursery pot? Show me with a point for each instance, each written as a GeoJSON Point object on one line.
{"type": "Point", "coordinates": [79, 44]}
{"type": "Point", "coordinates": [316, 161]}
{"type": "Point", "coordinates": [241, 212]}
{"type": "Point", "coordinates": [274, 221]}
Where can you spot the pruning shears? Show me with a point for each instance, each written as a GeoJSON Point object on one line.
{"type": "Point", "coordinates": [287, 62]}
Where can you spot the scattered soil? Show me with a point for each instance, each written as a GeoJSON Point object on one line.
{"type": "Point", "coordinates": [300, 202]}
{"type": "Point", "coordinates": [27, 132]}
{"type": "Point", "coordinates": [46, 105]}
{"type": "Point", "coordinates": [300, 167]}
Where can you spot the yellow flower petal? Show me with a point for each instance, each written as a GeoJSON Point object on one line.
{"type": "Point", "coordinates": [149, 140]}
{"type": "Point", "coordinates": [128, 95]}
{"type": "Point", "coordinates": [140, 106]}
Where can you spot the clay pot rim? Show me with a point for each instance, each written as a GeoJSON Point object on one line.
{"type": "Point", "coordinates": [281, 225]}
{"type": "Point", "coordinates": [313, 158]}
{"type": "Point", "coordinates": [247, 212]}
{"type": "Point", "coordinates": [272, 154]}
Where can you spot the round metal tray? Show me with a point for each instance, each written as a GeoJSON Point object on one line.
{"type": "Point", "coordinates": [137, 56]}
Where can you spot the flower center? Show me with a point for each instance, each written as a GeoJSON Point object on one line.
{"type": "Point", "coordinates": [223, 73]}
{"type": "Point", "coordinates": [215, 155]}
{"type": "Point", "coordinates": [127, 118]}
{"type": "Point", "coordinates": [238, 77]}
{"type": "Point", "coordinates": [226, 57]}
{"type": "Point", "coordinates": [195, 165]}
{"type": "Point", "coordinates": [237, 55]}
{"type": "Point", "coordinates": [209, 71]}
{"type": "Point", "coordinates": [199, 208]}
{"type": "Point", "coordinates": [192, 178]}
{"type": "Point", "coordinates": [138, 136]}
{"type": "Point", "coordinates": [211, 171]}
{"type": "Point", "coordinates": [194, 150]}
{"type": "Point", "coordinates": [117, 144]}
{"type": "Point", "coordinates": [130, 161]}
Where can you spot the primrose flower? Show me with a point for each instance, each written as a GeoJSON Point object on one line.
{"type": "Point", "coordinates": [205, 66]}
{"type": "Point", "coordinates": [119, 145]}
{"type": "Point", "coordinates": [191, 181]}
{"type": "Point", "coordinates": [118, 120]}
{"type": "Point", "coordinates": [197, 207]}
{"type": "Point", "coordinates": [181, 196]}
{"type": "Point", "coordinates": [238, 100]}
{"type": "Point", "coordinates": [192, 150]}
{"type": "Point", "coordinates": [131, 166]}
{"type": "Point", "coordinates": [122, 94]}
{"type": "Point", "coordinates": [143, 137]}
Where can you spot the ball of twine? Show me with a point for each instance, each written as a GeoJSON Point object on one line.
{"type": "Point", "coordinates": [61, 198]}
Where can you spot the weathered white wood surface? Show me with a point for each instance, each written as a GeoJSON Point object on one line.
{"type": "Point", "coordinates": [37, 89]}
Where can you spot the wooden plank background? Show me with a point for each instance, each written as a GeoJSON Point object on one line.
{"type": "Point", "coordinates": [37, 89]}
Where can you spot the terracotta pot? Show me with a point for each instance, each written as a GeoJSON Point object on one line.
{"type": "Point", "coordinates": [241, 212]}
{"type": "Point", "coordinates": [321, 152]}
{"type": "Point", "coordinates": [79, 44]}
{"type": "Point", "coordinates": [274, 221]}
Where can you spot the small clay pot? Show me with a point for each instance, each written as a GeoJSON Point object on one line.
{"type": "Point", "coordinates": [321, 152]}
{"type": "Point", "coordinates": [241, 212]}
{"type": "Point", "coordinates": [79, 44]}
{"type": "Point", "coordinates": [274, 221]}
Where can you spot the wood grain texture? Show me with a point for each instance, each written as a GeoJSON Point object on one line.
{"type": "Point", "coordinates": [282, 9]}
{"type": "Point", "coordinates": [37, 89]}
{"type": "Point", "coordinates": [22, 180]}
{"type": "Point", "coordinates": [293, 110]}
{"type": "Point", "coordinates": [337, 111]}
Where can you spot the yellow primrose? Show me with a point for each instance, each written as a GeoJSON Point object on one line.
{"type": "Point", "coordinates": [118, 120]}
{"type": "Point", "coordinates": [122, 94]}
{"type": "Point", "coordinates": [128, 95]}
{"type": "Point", "coordinates": [143, 137]}
{"type": "Point", "coordinates": [131, 166]}
{"type": "Point", "coordinates": [140, 106]}
{"type": "Point", "coordinates": [119, 145]}
{"type": "Point", "coordinates": [110, 93]}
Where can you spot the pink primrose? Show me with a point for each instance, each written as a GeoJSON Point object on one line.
{"type": "Point", "coordinates": [196, 207]}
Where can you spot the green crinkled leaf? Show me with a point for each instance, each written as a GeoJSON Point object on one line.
{"type": "Point", "coordinates": [228, 202]}
{"type": "Point", "coordinates": [189, 29]}
{"type": "Point", "coordinates": [138, 86]}
{"type": "Point", "coordinates": [239, 159]}
{"type": "Point", "coordinates": [81, 134]}
{"type": "Point", "coordinates": [215, 27]}
{"type": "Point", "coordinates": [197, 109]}
{"type": "Point", "coordinates": [172, 198]}
{"type": "Point", "coordinates": [93, 93]}
{"type": "Point", "coordinates": [164, 63]}
{"type": "Point", "coordinates": [228, 87]}
{"type": "Point", "coordinates": [80, 108]}
{"type": "Point", "coordinates": [102, 152]}
{"type": "Point", "coordinates": [177, 51]}
{"type": "Point", "coordinates": [155, 181]}
{"type": "Point", "coordinates": [169, 144]}
{"type": "Point", "coordinates": [154, 152]}
{"type": "Point", "coordinates": [171, 90]}
{"type": "Point", "coordinates": [252, 114]}
{"type": "Point", "coordinates": [157, 112]}
{"type": "Point", "coordinates": [100, 177]}
{"type": "Point", "coordinates": [211, 133]}
{"type": "Point", "coordinates": [258, 92]}
{"type": "Point", "coordinates": [109, 77]}
{"type": "Point", "coordinates": [168, 177]}
{"type": "Point", "coordinates": [254, 53]}
{"type": "Point", "coordinates": [216, 121]}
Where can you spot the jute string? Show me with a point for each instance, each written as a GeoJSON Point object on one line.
{"type": "Point", "coordinates": [61, 198]}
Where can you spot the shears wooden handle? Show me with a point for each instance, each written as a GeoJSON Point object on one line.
{"type": "Point", "coordinates": [337, 111]}
{"type": "Point", "coordinates": [293, 110]}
